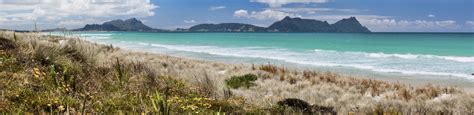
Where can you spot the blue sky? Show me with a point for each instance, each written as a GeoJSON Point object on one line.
{"type": "Point", "coordinates": [377, 15]}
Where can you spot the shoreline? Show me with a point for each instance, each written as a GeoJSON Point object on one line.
{"type": "Point", "coordinates": [418, 82]}
{"type": "Point", "coordinates": [305, 58]}
{"type": "Point", "coordinates": [409, 79]}
{"type": "Point", "coordinates": [343, 92]}
{"type": "Point", "coordinates": [387, 78]}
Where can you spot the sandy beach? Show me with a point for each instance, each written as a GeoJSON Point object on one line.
{"type": "Point", "coordinates": [343, 92]}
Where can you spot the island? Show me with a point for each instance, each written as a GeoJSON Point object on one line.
{"type": "Point", "coordinates": [287, 24]}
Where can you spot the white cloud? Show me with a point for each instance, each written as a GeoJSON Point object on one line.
{"type": "Point", "coordinates": [431, 16]}
{"type": "Point", "coordinates": [241, 13]}
{"type": "Point", "coordinates": [406, 25]}
{"type": "Point", "coordinates": [52, 11]}
{"type": "Point", "coordinates": [77, 22]}
{"type": "Point", "coordinates": [468, 24]}
{"type": "Point", "coordinates": [264, 15]}
{"type": "Point", "coordinates": [217, 7]}
{"type": "Point", "coordinates": [189, 21]}
{"type": "Point", "coordinates": [279, 3]}
{"type": "Point", "coordinates": [446, 23]}
{"type": "Point", "coordinates": [471, 23]}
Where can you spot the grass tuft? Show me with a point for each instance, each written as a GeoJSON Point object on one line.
{"type": "Point", "coordinates": [246, 81]}
{"type": "Point", "coordinates": [269, 68]}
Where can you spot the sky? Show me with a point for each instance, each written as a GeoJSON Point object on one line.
{"type": "Point", "coordinates": [377, 15]}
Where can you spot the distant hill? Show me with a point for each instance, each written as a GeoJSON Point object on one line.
{"type": "Point", "coordinates": [226, 27]}
{"type": "Point", "coordinates": [54, 29]}
{"type": "Point", "coordinates": [288, 24]}
{"type": "Point", "coordinates": [309, 25]}
{"type": "Point", "coordinates": [349, 25]}
{"type": "Point", "coordinates": [300, 25]}
{"type": "Point", "coordinates": [118, 25]}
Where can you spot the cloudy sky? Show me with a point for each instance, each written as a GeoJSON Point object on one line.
{"type": "Point", "coordinates": [377, 15]}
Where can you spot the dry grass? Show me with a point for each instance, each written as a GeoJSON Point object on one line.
{"type": "Point", "coordinates": [349, 94]}
{"type": "Point", "coordinates": [45, 73]}
{"type": "Point", "coordinates": [54, 74]}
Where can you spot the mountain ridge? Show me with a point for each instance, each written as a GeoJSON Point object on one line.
{"type": "Point", "coordinates": [287, 24]}
{"type": "Point", "coordinates": [131, 24]}
{"type": "Point", "coordinates": [226, 27]}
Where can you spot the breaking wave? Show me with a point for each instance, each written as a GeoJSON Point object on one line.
{"type": "Point", "coordinates": [380, 62]}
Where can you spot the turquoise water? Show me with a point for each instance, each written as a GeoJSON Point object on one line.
{"type": "Point", "coordinates": [427, 54]}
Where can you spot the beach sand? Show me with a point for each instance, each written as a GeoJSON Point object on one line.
{"type": "Point", "coordinates": [343, 92]}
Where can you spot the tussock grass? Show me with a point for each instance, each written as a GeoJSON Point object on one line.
{"type": "Point", "coordinates": [246, 81]}
{"type": "Point", "coordinates": [66, 74]}
{"type": "Point", "coordinates": [273, 69]}
{"type": "Point", "coordinates": [54, 74]}
{"type": "Point", "coordinates": [350, 94]}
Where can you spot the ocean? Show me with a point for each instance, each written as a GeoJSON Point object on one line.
{"type": "Point", "coordinates": [443, 58]}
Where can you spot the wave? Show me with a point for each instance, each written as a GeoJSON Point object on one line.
{"type": "Point", "coordinates": [372, 68]}
{"type": "Point", "coordinates": [407, 56]}
{"type": "Point", "coordinates": [460, 59]}
{"type": "Point", "coordinates": [144, 44]}
{"type": "Point", "coordinates": [96, 36]}
{"type": "Point", "coordinates": [378, 62]}
{"type": "Point", "coordinates": [425, 73]}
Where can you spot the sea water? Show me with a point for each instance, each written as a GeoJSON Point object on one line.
{"type": "Point", "coordinates": [414, 57]}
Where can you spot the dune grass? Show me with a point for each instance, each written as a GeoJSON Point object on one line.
{"type": "Point", "coordinates": [42, 73]}
{"type": "Point", "coordinates": [48, 74]}
{"type": "Point", "coordinates": [246, 81]}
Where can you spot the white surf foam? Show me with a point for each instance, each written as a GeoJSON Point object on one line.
{"type": "Point", "coordinates": [407, 56]}
{"type": "Point", "coordinates": [379, 62]}
{"type": "Point", "coordinates": [96, 36]}
{"type": "Point", "coordinates": [459, 59]}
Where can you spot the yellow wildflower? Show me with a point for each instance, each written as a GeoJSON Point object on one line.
{"type": "Point", "coordinates": [36, 72]}
{"type": "Point", "coordinates": [61, 108]}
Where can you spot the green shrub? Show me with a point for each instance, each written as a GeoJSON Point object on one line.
{"type": "Point", "coordinates": [246, 80]}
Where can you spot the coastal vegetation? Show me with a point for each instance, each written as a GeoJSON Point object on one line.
{"type": "Point", "coordinates": [64, 74]}
{"type": "Point", "coordinates": [246, 81]}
